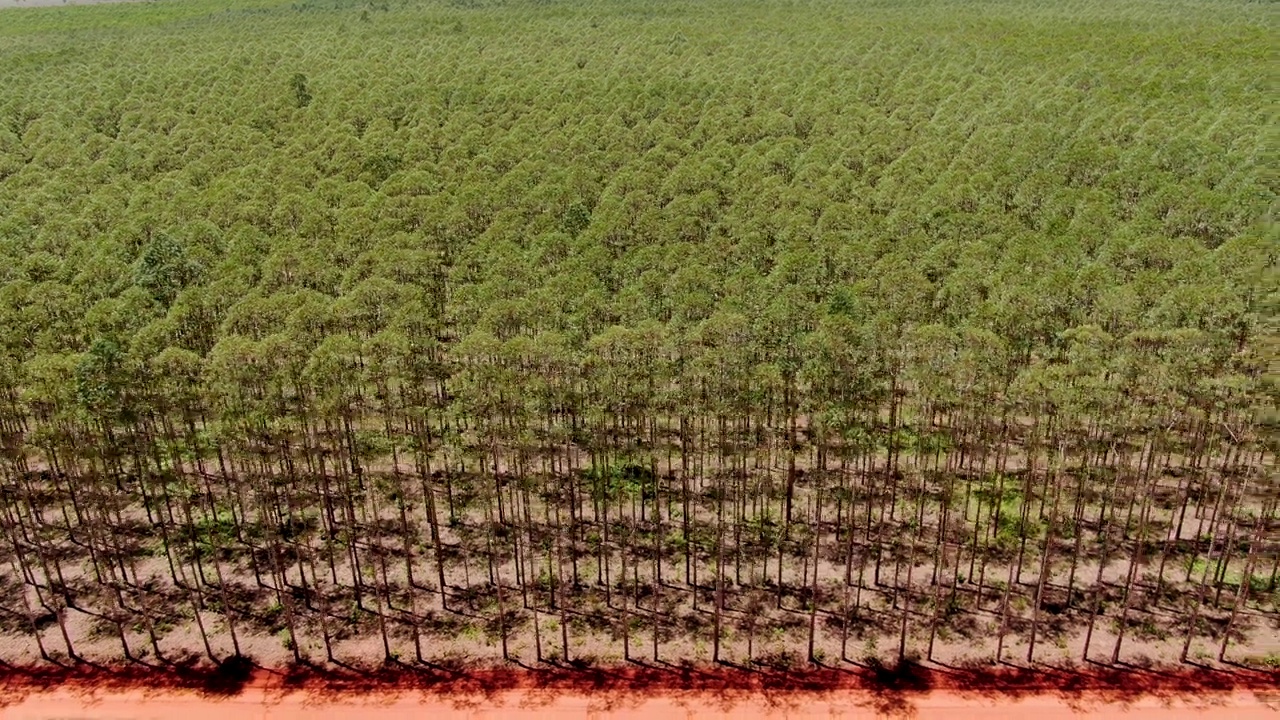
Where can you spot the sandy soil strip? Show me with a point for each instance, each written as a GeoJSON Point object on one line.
{"type": "Point", "coordinates": [237, 690]}
{"type": "Point", "coordinates": [263, 704]}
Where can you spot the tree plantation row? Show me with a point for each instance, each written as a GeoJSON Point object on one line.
{"type": "Point", "coordinates": [705, 546]}
{"type": "Point", "coordinates": [676, 332]}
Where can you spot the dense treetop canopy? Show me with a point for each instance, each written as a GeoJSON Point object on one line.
{"type": "Point", "coordinates": [884, 295]}
{"type": "Point", "coordinates": [202, 200]}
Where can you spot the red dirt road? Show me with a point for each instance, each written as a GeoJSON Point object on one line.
{"type": "Point", "coordinates": [241, 692]}
{"type": "Point", "coordinates": [261, 704]}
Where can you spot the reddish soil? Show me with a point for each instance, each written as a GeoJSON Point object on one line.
{"type": "Point", "coordinates": [639, 691]}
{"type": "Point", "coordinates": [529, 705]}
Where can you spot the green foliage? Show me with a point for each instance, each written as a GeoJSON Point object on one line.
{"type": "Point", "coordinates": [164, 269]}
{"type": "Point", "coordinates": [764, 530]}
{"type": "Point", "coordinates": [620, 481]}
{"type": "Point", "coordinates": [99, 379]}
{"type": "Point", "coordinates": [531, 231]}
{"type": "Point", "coordinates": [300, 91]}
{"type": "Point", "coordinates": [214, 532]}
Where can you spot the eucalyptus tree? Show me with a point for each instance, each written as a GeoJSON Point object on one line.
{"type": "Point", "coordinates": [286, 320]}
{"type": "Point", "coordinates": [722, 369]}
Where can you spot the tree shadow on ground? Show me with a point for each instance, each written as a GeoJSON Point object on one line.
{"type": "Point", "coordinates": [890, 690]}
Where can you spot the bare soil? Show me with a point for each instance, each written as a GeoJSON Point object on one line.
{"type": "Point", "coordinates": [912, 691]}
{"type": "Point", "coordinates": [523, 704]}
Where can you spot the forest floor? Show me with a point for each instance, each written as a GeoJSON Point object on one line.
{"type": "Point", "coordinates": [915, 691]}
